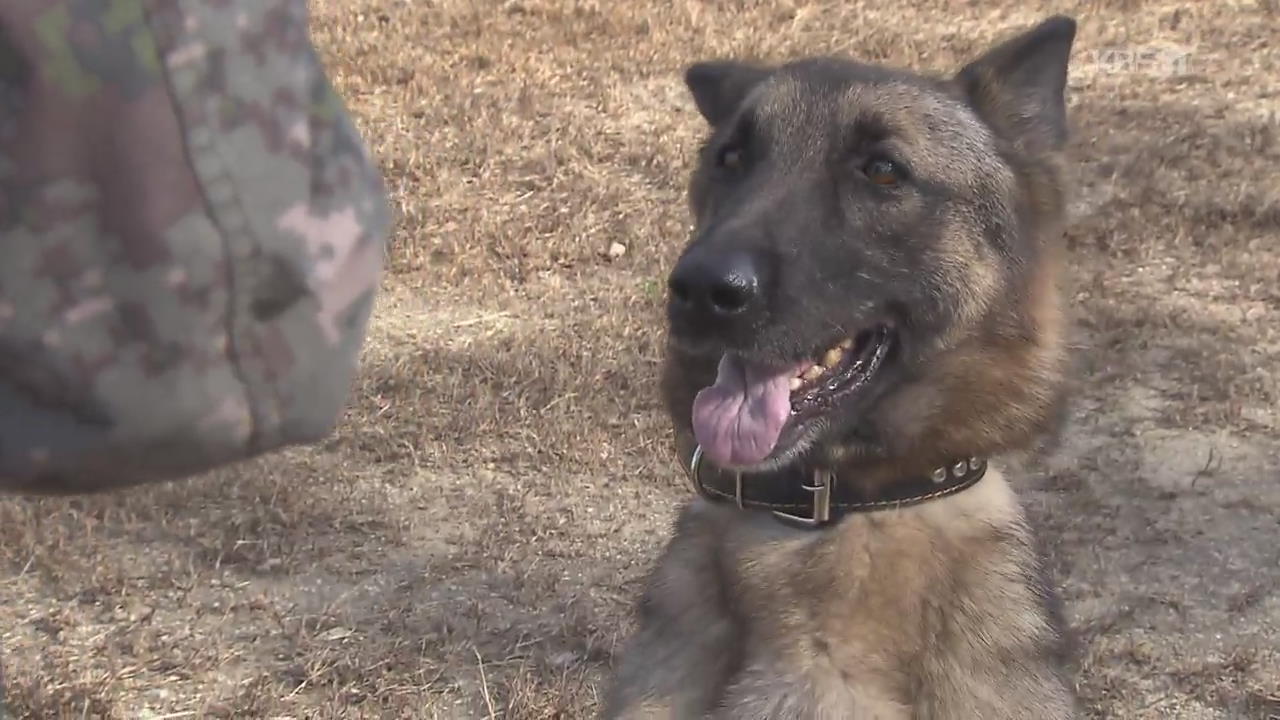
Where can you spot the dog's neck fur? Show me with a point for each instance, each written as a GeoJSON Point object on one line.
{"type": "Point", "coordinates": [922, 564]}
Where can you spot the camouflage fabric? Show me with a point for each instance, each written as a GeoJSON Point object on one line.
{"type": "Point", "coordinates": [191, 235]}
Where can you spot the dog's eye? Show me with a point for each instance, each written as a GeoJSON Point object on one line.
{"type": "Point", "coordinates": [729, 158]}
{"type": "Point", "coordinates": [882, 172]}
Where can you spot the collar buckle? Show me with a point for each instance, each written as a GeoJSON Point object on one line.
{"type": "Point", "coordinates": [823, 481]}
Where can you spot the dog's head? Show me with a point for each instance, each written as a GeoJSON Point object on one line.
{"type": "Point", "coordinates": [872, 273]}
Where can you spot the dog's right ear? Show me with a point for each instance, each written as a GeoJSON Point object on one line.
{"type": "Point", "coordinates": [720, 86]}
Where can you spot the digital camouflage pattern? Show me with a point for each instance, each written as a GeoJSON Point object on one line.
{"type": "Point", "coordinates": [191, 236]}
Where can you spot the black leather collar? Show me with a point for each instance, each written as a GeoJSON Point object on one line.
{"type": "Point", "coordinates": [813, 498]}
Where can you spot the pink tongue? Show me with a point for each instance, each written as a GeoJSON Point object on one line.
{"type": "Point", "coordinates": [738, 419]}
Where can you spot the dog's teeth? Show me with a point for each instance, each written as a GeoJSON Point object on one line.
{"type": "Point", "coordinates": [813, 373]}
{"type": "Point", "coordinates": [796, 384]}
{"type": "Point", "coordinates": [846, 344]}
{"type": "Point", "coordinates": [832, 357]}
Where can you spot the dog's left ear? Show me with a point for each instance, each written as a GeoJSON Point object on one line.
{"type": "Point", "coordinates": [720, 86]}
{"type": "Point", "coordinates": [1019, 86]}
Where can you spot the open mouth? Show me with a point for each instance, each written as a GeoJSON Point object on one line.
{"type": "Point", "coordinates": [840, 372]}
{"type": "Point", "coordinates": [740, 419]}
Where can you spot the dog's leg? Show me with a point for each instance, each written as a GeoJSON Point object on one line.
{"type": "Point", "coordinates": [1012, 617]}
{"type": "Point", "coordinates": [1011, 691]}
{"type": "Point", "coordinates": [688, 643]}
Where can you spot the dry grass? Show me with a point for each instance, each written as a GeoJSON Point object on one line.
{"type": "Point", "coordinates": [467, 545]}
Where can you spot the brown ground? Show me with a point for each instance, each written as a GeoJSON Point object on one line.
{"type": "Point", "coordinates": [469, 542]}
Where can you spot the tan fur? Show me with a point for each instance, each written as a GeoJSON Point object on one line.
{"type": "Point", "coordinates": [923, 612]}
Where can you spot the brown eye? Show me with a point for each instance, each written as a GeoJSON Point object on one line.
{"type": "Point", "coordinates": [730, 158]}
{"type": "Point", "coordinates": [882, 172]}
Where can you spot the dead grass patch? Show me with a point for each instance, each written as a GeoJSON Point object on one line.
{"type": "Point", "coordinates": [467, 545]}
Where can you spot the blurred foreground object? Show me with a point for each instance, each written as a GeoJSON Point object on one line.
{"type": "Point", "coordinates": [191, 237]}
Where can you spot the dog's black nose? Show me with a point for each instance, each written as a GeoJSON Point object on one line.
{"type": "Point", "coordinates": [711, 286]}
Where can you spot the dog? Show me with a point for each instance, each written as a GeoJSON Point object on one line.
{"type": "Point", "coordinates": [868, 310]}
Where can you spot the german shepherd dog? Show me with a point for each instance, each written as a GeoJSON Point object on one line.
{"type": "Point", "coordinates": [867, 311]}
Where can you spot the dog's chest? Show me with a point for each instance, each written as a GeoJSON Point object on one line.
{"type": "Point", "coordinates": [816, 644]}
{"type": "Point", "coordinates": [767, 690]}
